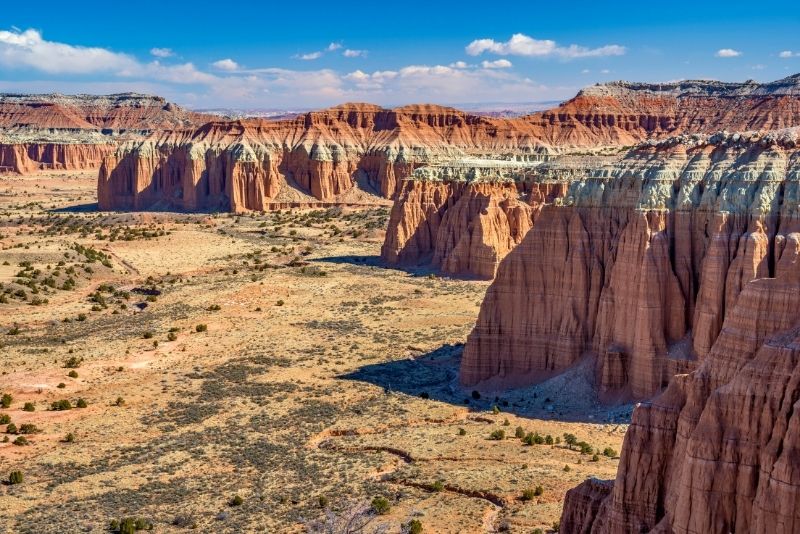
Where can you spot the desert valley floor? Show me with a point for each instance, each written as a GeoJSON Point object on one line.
{"type": "Point", "coordinates": [268, 356]}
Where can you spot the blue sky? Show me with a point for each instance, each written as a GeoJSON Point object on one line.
{"type": "Point", "coordinates": [313, 54]}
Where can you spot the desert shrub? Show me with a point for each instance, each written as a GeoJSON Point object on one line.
{"type": "Point", "coordinates": [81, 403]}
{"type": "Point", "coordinates": [462, 432]}
{"type": "Point", "coordinates": [119, 402]}
{"type": "Point", "coordinates": [380, 505]}
{"type": "Point", "coordinates": [413, 527]}
{"type": "Point", "coordinates": [29, 407]}
{"type": "Point", "coordinates": [21, 441]}
{"type": "Point", "coordinates": [279, 303]}
{"type": "Point", "coordinates": [556, 526]}
{"type": "Point", "coordinates": [129, 525]}
{"type": "Point", "coordinates": [6, 400]}
{"type": "Point", "coordinates": [16, 477]}
{"type": "Point", "coordinates": [495, 409]}
{"type": "Point", "coordinates": [595, 458]}
{"type": "Point", "coordinates": [237, 500]}
{"type": "Point", "coordinates": [147, 335]}
{"type": "Point", "coordinates": [28, 428]}
{"type": "Point", "coordinates": [4, 418]}
{"type": "Point", "coordinates": [201, 328]}
{"type": "Point", "coordinates": [538, 491]}
{"type": "Point", "coordinates": [73, 362]}
{"type": "Point", "coordinates": [172, 336]}
{"type": "Point", "coordinates": [570, 440]}
{"type": "Point", "coordinates": [61, 405]}
{"type": "Point", "coordinates": [214, 307]}
{"type": "Point", "coordinates": [73, 374]}
{"type": "Point", "coordinates": [611, 453]}
{"type": "Point", "coordinates": [498, 435]}
{"type": "Point", "coordinates": [567, 468]}
{"type": "Point", "coordinates": [438, 486]}
{"type": "Point", "coordinates": [506, 422]}
{"type": "Point", "coordinates": [323, 501]}
{"type": "Point", "coordinates": [11, 428]}
{"type": "Point", "coordinates": [528, 494]}
{"type": "Point", "coordinates": [519, 432]}
{"type": "Point", "coordinates": [61, 385]}
{"type": "Point", "coordinates": [548, 439]}
{"type": "Point", "coordinates": [584, 447]}
{"type": "Point", "coordinates": [69, 438]}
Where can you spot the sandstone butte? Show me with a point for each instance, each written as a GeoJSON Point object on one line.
{"type": "Point", "coordinates": [75, 132]}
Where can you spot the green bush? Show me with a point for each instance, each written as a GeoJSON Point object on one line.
{"type": "Point", "coordinates": [81, 403]}
{"type": "Point", "coordinates": [6, 400]}
{"type": "Point", "coordinates": [237, 500]}
{"type": "Point", "coordinates": [147, 335]}
{"type": "Point", "coordinates": [414, 527]}
{"type": "Point", "coordinates": [61, 405]}
{"type": "Point", "coordinates": [73, 374]}
{"type": "Point", "coordinates": [279, 303]}
{"type": "Point", "coordinates": [519, 432]}
{"type": "Point", "coordinates": [172, 336]}
{"type": "Point", "coordinates": [201, 328]}
{"type": "Point", "coordinates": [462, 432]}
{"type": "Point", "coordinates": [538, 491]}
{"type": "Point", "coordinates": [119, 402]}
{"type": "Point", "coordinates": [16, 477]}
{"type": "Point", "coordinates": [498, 435]}
{"type": "Point", "coordinates": [527, 495]}
{"type": "Point", "coordinates": [380, 505]}
{"type": "Point", "coordinates": [11, 428]}
{"type": "Point", "coordinates": [73, 362]}
{"type": "Point", "coordinates": [548, 439]}
{"type": "Point", "coordinates": [69, 438]}
{"type": "Point", "coordinates": [29, 407]}
{"type": "Point", "coordinates": [595, 458]}
{"type": "Point", "coordinates": [570, 440]}
{"type": "Point", "coordinates": [28, 428]}
{"type": "Point", "coordinates": [438, 486]}
{"type": "Point", "coordinates": [584, 447]}
{"type": "Point", "coordinates": [323, 501]}
{"type": "Point", "coordinates": [611, 453]}
{"type": "Point", "coordinates": [21, 441]}
{"type": "Point", "coordinates": [495, 409]}
{"type": "Point", "coordinates": [4, 418]}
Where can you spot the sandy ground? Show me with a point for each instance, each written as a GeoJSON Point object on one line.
{"type": "Point", "coordinates": [322, 380]}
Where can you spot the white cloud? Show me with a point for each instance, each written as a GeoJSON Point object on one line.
{"type": "Point", "coordinates": [788, 54]}
{"type": "Point", "coordinates": [162, 52]}
{"type": "Point", "coordinates": [27, 49]}
{"type": "Point", "coordinates": [310, 56]}
{"type": "Point", "coordinates": [497, 64]}
{"type": "Point", "coordinates": [605, 71]}
{"type": "Point", "coordinates": [354, 53]}
{"type": "Point", "coordinates": [459, 65]}
{"type": "Point", "coordinates": [226, 64]}
{"type": "Point", "coordinates": [333, 46]}
{"type": "Point", "coordinates": [728, 52]}
{"type": "Point", "coordinates": [523, 45]}
{"type": "Point", "coordinates": [585, 71]}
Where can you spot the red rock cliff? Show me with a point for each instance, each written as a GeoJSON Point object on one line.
{"type": "Point", "coordinates": [718, 450]}
{"type": "Point", "coordinates": [639, 265]}
{"type": "Point", "coordinates": [243, 165]}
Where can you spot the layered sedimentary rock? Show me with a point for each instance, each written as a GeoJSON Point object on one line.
{"type": "Point", "coordinates": [463, 220]}
{"type": "Point", "coordinates": [245, 164]}
{"type": "Point", "coordinates": [718, 450]}
{"type": "Point", "coordinates": [639, 265]}
{"type": "Point", "coordinates": [77, 132]}
{"type": "Point", "coordinates": [624, 113]}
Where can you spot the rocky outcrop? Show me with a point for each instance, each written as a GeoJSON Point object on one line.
{"type": "Point", "coordinates": [464, 220]}
{"type": "Point", "coordinates": [77, 132]}
{"type": "Point", "coordinates": [717, 451]}
{"type": "Point", "coordinates": [639, 265]}
{"type": "Point", "coordinates": [625, 113]}
{"type": "Point", "coordinates": [246, 164]}
{"type": "Point", "coordinates": [23, 158]}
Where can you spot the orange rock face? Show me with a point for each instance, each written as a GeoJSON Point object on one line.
{"type": "Point", "coordinates": [77, 132]}
{"type": "Point", "coordinates": [624, 113]}
{"type": "Point", "coordinates": [639, 266]}
{"type": "Point", "coordinates": [717, 451]}
{"type": "Point", "coordinates": [29, 157]}
{"type": "Point", "coordinates": [242, 165]}
{"type": "Point", "coordinates": [462, 228]}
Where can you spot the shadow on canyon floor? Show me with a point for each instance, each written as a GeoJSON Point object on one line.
{"type": "Point", "coordinates": [78, 208]}
{"type": "Point", "coordinates": [569, 396]}
{"type": "Point", "coordinates": [421, 269]}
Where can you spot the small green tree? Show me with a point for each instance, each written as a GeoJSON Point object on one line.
{"type": "Point", "coordinates": [570, 440]}
{"type": "Point", "coordinates": [380, 505]}
{"type": "Point", "coordinates": [519, 432]}
{"type": "Point", "coordinates": [498, 435]}
{"type": "Point", "coordinates": [16, 477]}
{"type": "Point", "coordinates": [29, 407]}
{"type": "Point", "coordinates": [6, 400]}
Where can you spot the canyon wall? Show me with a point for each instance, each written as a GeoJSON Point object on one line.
{"type": "Point", "coordinates": [638, 265]}
{"type": "Point", "coordinates": [248, 164]}
{"type": "Point", "coordinates": [72, 132]}
{"type": "Point", "coordinates": [625, 113]}
{"type": "Point", "coordinates": [464, 221]}
{"type": "Point", "coordinates": [717, 451]}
